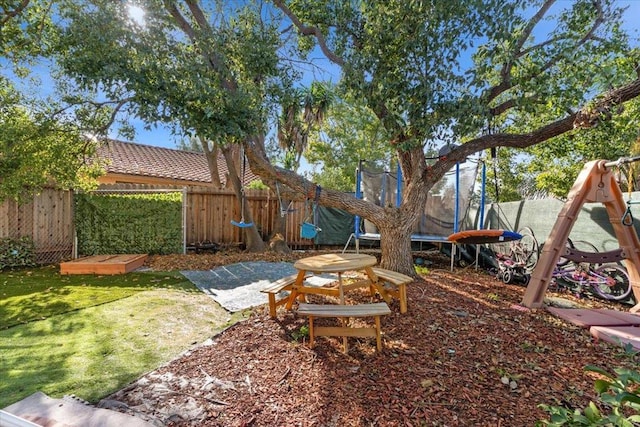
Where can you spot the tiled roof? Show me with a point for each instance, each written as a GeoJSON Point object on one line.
{"type": "Point", "coordinates": [146, 160]}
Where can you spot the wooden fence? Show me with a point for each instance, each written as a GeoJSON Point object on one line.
{"type": "Point", "coordinates": [209, 213]}
{"type": "Point", "coordinates": [48, 218]}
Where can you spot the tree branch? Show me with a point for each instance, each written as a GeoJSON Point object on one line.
{"type": "Point", "coordinates": [587, 116]}
{"type": "Point", "coordinates": [9, 14]}
{"type": "Point", "coordinates": [299, 188]}
{"type": "Point", "coordinates": [180, 20]}
{"type": "Point", "coordinates": [505, 74]}
{"type": "Point", "coordinates": [114, 113]}
{"type": "Point", "coordinates": [507, 105]}
{"type": "Point", "coordinates": [310, 31]}
{"type": "Point", "coordinates": [528, 29]}
{"type": "Point", "coordinates": [588, 36]}
{"type": "Point", "coordinates": [214, 59]}
{"type": "Point", "coordinates": [112, 117]}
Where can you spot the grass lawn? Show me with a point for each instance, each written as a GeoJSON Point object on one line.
{"type": "Point", "coordinates": [91, 335]}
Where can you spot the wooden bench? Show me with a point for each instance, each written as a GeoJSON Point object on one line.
{"type": "Point", "coordinates": [274, 288]}
{"type": "Point", "coordinates": [343, 311]}
{"type": "Point", "coordinates": [399, 281]}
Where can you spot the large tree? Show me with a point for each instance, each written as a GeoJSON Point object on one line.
{"type": "Point", "coordinates": [207, 70]}
{"type": "Point", "coordinates": [432, 72]}
{"type": "Point", "coordinates": [465, 72]}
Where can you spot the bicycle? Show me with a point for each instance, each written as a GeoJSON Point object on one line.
{"type": "Point", "coordinates": [516, 266]}
{"type": "Point", "coordinates": [608, 281]}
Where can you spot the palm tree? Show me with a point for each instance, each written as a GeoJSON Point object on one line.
{"type": "Point", "coordinates": [303, 111]}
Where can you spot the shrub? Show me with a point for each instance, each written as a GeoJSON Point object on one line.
{"type": "Point", "coordinates": [112, 223]}
{"type": "Point", "coordinates": [19, 252]}
{"type": "Point", "coordinates": [619, 398]}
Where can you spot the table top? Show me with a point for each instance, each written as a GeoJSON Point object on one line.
{"type": "Point", "coordinates": [335, 263]}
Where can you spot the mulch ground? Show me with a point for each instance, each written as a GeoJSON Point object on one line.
{"type": "Point", "coordinates": [465, 354]}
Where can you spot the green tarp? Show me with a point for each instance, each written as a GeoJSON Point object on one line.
{"type": "Point", "coordinates": [337, 225]}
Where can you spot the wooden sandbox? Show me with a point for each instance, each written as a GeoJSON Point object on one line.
{"type": "Point", "coordinates": [103, 264]}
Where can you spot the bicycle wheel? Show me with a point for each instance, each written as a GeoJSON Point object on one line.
{"type": "Point", "coordinates": [612, 282]}
{"type": "Point", "coordinates": [562, 261]}
{"type": "Point", "coordinates": [569, 278]}
{"type": "Point", "coordinates": [583, 245]}
{"type": "Point", "coordinates": [527, 250]}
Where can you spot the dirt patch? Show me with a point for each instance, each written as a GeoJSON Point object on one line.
{"type": "Point", "coordinates": [465, 354]}
{"type": "Point", "coordinates": [208, 261]}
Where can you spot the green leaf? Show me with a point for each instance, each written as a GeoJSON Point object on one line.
{"type": "Point", "coordinates": [592, 413]}
{"type": "Point", "coordinates": [602, 386]}
{"type": "Point", "coordinates": [629, 397]}
{"type": "Point", "coordinates": [597, 369]}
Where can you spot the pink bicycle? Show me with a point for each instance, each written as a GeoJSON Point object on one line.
{"type": "Point", "coordinates": [583, 272]}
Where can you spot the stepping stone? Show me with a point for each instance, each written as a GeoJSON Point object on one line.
{"type": "Point", "coordinates": [620, 335]}
{"type": "Point", "coordinates": [587, 317]}
{"type": "Point", "coordinates": [43, 410]}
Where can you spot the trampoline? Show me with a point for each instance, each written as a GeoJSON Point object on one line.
{"type": "Point", "coordinates": [443, 215]}
{"type": "Point", "coordinates": [476, 237]}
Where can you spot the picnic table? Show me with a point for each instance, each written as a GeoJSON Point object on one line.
{"type": "Point", "coordinates": [388, 284]}
{"type": "Point", "coordinates": [338, 264]}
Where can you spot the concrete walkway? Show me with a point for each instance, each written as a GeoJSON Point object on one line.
{"type": "Point", "coordinates": [42, 410]}
{"type": "Point", "coordinates": [237, 287]}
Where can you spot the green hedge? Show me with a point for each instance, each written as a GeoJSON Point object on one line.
{"type": "Point", "coordinates": [19, 252]}
{"type": "Point", "coordinates": [129, 223]}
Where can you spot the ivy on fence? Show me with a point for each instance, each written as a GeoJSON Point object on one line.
{"type": "Point", "coordinates": [109, 223]}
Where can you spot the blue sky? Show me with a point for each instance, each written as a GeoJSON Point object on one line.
{"type": "Point", "coordinates": [161, 135]}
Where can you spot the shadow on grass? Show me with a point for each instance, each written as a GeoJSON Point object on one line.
{"type": "Point", "coordinates": [34, 355]}
{"type": "Point", "coordinates": [38, 293]}
{"type": "Point", "coordinates": [97, 350]}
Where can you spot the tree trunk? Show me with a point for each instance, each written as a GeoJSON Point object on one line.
{"type": "Point", "coordinates": [279, 225]}
{"type": "Point", "coordinates": [277, 240]}
{"type": "Point", "coordinates": [253, 239]}
{"type": "Point", "coordinates": [395, 243]}
{"type": "Point", "coordinates": [212, 161]}
{"type": "Point", "coordinates": [394, 224]}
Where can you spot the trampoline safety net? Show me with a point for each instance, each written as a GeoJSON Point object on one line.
{"type": "Point", "coordinates": [445, 202]}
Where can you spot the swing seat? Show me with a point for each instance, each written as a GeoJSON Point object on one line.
{"type": "Point", "coordinates": [308, 230]}
{"type": "Point", "coordinates": [242, 224]}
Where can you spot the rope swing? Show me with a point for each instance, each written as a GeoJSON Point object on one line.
{"type": "Point", "coordinates": [308, 228]}
{"type": "Point", "coordinates": [242, 223]}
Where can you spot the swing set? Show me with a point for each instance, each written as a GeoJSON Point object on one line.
{"type": "Point", "coordinates": [595, 183]}
{"type": "Point", "coordinates": [308, 228]}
